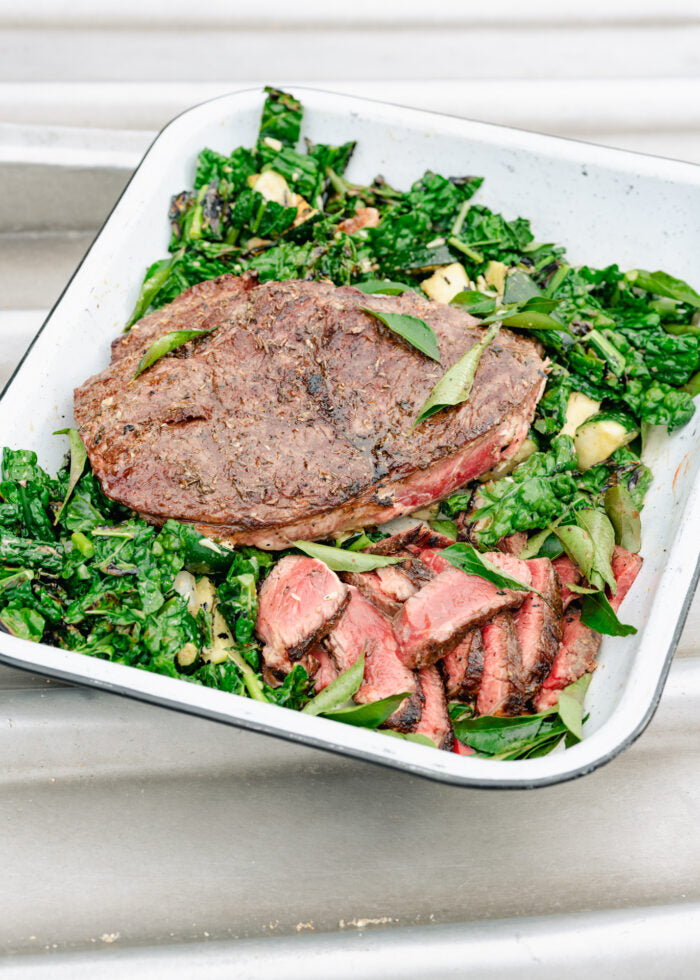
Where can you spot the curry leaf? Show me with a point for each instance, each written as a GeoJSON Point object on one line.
{"type": "Point", "coordinates": [417, 737]}
{"type": "Point", "coordinates": [661, 284]}
{"type": "Point", "coordinates": [602, 536]}
{"type": "Point", "coordinates": [468, 559]}
{"type": "Point", "coordinates": [599, 615]}
{"type": "Point", "coordinates": [416, 332]}
{"type": "Point", "coordinates": [455, 385]}
{"type": "Point", "coordinates": [473, 302]}
{"type": "Point", "coordinates": [570, 705]}
{"type": "Point", "coordinates": [156, 277]}
{"type": "Point", "coordinates": [338, 691]}
{"type": "Point", "coordinates": [78, 458]}
{"type": "Point", "coordinates": [383, 287]}
{"type": "Point", "coordinates": [165, 344]}
{"type": "Point", "coordinates": [624, 517]}
{"type": "Point", "coordinates": [532, 320]}
{"type": "Point", "coordinates": [368, 715]}
{"type": "Point", "coordinates": [342, 560]}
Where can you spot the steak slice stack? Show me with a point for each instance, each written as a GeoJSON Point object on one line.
{"type": "Point", "coordinates": [293, 417]}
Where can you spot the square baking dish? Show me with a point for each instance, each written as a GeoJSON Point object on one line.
{"type": "Point", "coordinates": [604, 205]}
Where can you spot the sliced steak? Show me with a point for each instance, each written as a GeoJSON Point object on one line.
{"type": "Point", "coordinates": [513, 544]}
{"type": "Point", "coordinates": [626, 566]}
{"type": "Point", "coordinates": [576, 657]}
{"type": "Point", "coordinates": [440, 614]}
{"type": "Point", "coordinates": [326, 671]}
{"type": "Point", "coordinates": [502, 690]}
{"type": "Point", "coordinates": [461, 749]}
{"type": "Point", "coordinates": [292, 418]}
{"type": "Point", "coordinates": [435, 720]}
{"type": "Point", "coordinates": [362, 627]}
{"type": "Point", "coordinates": [462, 668]}
{"type": "Point", "coordinates": [538, 624]}
{"type": "Point", "coordinates": [569, 574]}
{"type": "Point", "coordinates": [388, 588]}
{"type": "Point", "coordinates": [420, 535]}
{"type": "Point", "coordinates": [300, 601]}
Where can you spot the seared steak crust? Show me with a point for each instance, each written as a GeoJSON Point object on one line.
{"type": "Point", "coordinates": [435, 720]}
{"type": "Point", "coordinates": [463, 667]}
{"type": "Point", "coordinates": [502, 690]}
{"type": "Point", "coordinates": [538, 624]}
{"type": "Point", "coordinates": [292, 418]}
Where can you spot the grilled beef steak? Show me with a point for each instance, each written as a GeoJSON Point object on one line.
{"type": "Point", "coordinates": [326, 672]}
{"type": "Point", "coordinates": [502, 690]}
{"type": "Point", "coordinates": [435, 720]}
{"type": "Point", "coordinates": [575, 657]}
{"type": "Point", "coordinates": [439, 615]}
{"type": "Point", "coordinates": [538, 624]}
{"type": "Point", "coordinates": [293, 417]}
{"type": "Point", "coordinates": [463, 667]}
{"type": "Point", "coordinates": [362, 627]}
{"type": "Point", "coordinates": [300, 601]}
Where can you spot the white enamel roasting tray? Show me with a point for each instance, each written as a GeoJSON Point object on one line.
{"type": "Point", "coordinates": [604, 205]}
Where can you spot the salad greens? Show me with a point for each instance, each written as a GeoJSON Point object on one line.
{"type": "Point", "coordinates": [80, 571]}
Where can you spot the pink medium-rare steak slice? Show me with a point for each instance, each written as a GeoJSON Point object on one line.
{"type": "Point", "coordinates": [293, 417]}
{"type": "Point", "coordinates": [502, 690]}
{"type": "Point", "coordinates": [538, 624]}
{"type": "Point", "coordinates": [326, 672]}
{"type": "Point", "coordinates": [576, 656]}
{"type": "Point", "coordinates": [299, 602]}
{"type": "Point", "coordinates": [462, 667]}
{"type": "Point", "coordinates": [362, 627]}
{"type": "Point", "coordinates": [440, 614]}
{"type": "Point", "coordinates": [626, 566]}
{"type": "Point", "coordinates": [435, 720]}
{"type": "Point", "coordinates": [569, 574]}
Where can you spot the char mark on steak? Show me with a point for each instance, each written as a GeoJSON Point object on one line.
{"type": "Point", "coordinates": [362, 627]}
{"type": "Point", "coordinates": [293, 417]}
{"type": "Point", "coordinates": [439, 615]}
{"type": "Point", "coordinates": [435, 720]}
{"type": "Point", "coordinates": [513, 544]}
{"type": "Point", "coordinates": [576, 656]}
{"type": "Point", "coordinates": [463, 667]}
{"type": "Point", "coordinates": [502, 690]}
{"type": "Point", "coordinates": [538, 624]}
{"type": "Point", "coordinates": [300, 601]}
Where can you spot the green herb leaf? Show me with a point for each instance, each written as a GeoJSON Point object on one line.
{"type": "Point", "coordinates": [474, 302]}
{"type": "Point", "coordinates": [340, 690]}
{"type": "Point", "coordinates": [624, 517]}
{"type": "Point", "coordinates": [661, 284]}
{"type": "Point", "coordinates": [416, 332]}
{"type": "Point", "coordinates": [448, 528]}
{"type": "Point", "coordinates": [466, 557]}
{"type": "Point", "coordinates": [520, 287]}
{"type": "Point", "coordinates": [602, 536]}
{"type": "Point", "coordinates": [367, 715]}
{"type": "Point", "coordinates": [411, 737]}
{"type": "Point", "coordinates": [455, 386]}
{"type": "Point", "coordinates": [581, 589]}
{"type": "Point", "coordinates": [383, 287]}
{"type": "Point", "coordinates": [570, 705]}
{"type": "Point", "coordinates": [532, 320]}
{"type": "Point", "coordinates": [165, 344]}
{"type": "Point", "coordinates": [15, 578]}
{"type": "Point", "coordinates": [156, 277]}
{"type": "Point", "coordinates": [590, 543]}
{"type": "Point", "coordinates": [599, 615]}
{"type": "Point", "coordinates": [78, 458]}
{"type": "Point", "coordinates": [342, 560]}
